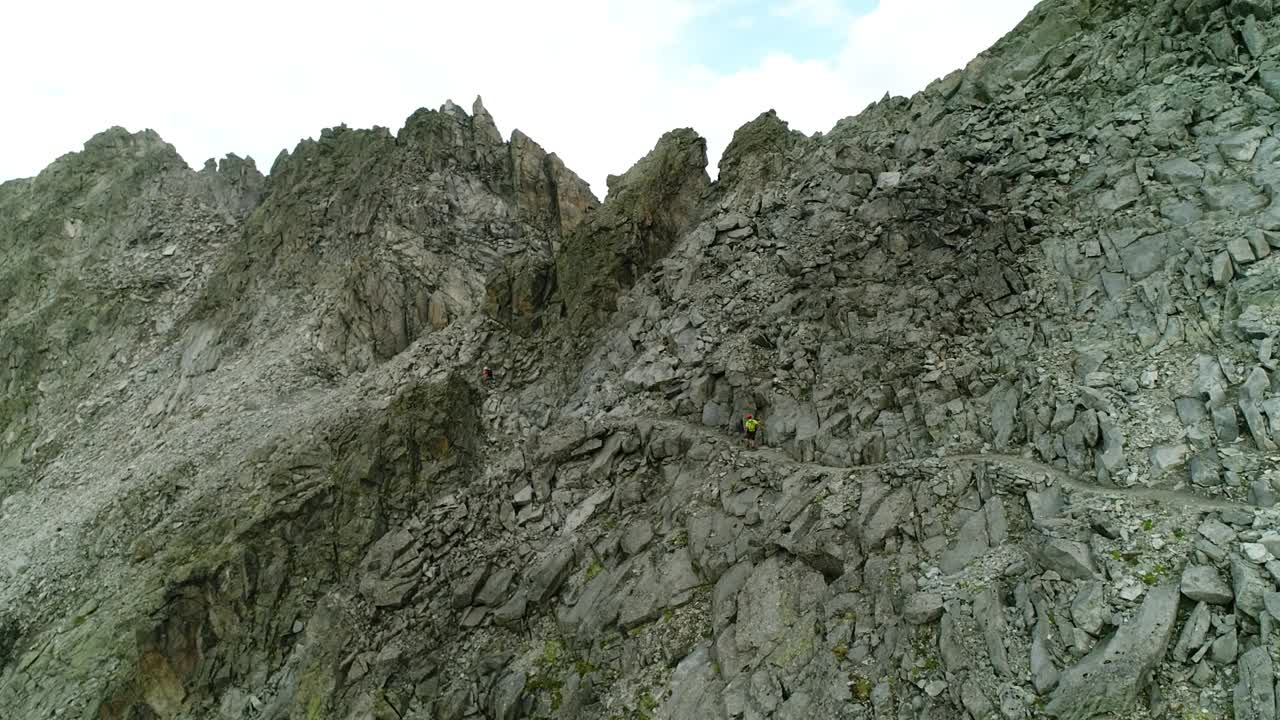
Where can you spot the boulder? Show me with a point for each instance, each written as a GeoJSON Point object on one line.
{"type": "Point", "coordinates": [390, 570]}
{"type": "Point", "coordinates": [1109, 680]}
{"type": "Point", "coordinates": [1249, 587]}
{"type": "Point", "coordinates": [1202, 583]}
{"type": "Point", "coordinates": [923, 608]}
{"type": "Point", "coordinates": [1255, 692]}
{"type": "Point", "coordinates": [1068, 558]}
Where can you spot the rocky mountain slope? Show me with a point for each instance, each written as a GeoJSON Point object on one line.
{"type": "Point", "coordinates": [1012, 341]}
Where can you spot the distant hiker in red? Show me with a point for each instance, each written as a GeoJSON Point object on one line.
{"type": "Point", "coordinates": [486, 376]}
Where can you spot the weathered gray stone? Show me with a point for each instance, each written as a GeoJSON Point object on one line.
{"type": "Point", "coordinates": [586, 510]}
{"type": "Point", "coordinates": [1217, 532]}
{"type": "Point", "coordinates": [1019, 208]}
{"type": "Point", "coordinates": [954, 656]}
{"type": "Point", "coordinates": [1252, 396]}
{"type": "Point", "coordinates": [1271, 541]}
{"type": "Point", "coordinates": [513, 610]}
{"type": "Point", "coordinates": [1249, 587]}
{"type": "Point", "coordinates": [972, 543]}
{"type": "Point", "coordinates": [1225, 648]}
{"type": "Point", "coordinates": [507, 696]}
{"type": "Point", "coordinates": [1241, 251]}
{"type": "Point", "coordinates": [495, 588]}
{"type": "Point", "coordinates": [724, 598]}
{"type": "Point", "coordinates": [1223, 269]}
{"type": "Point", "coordinates": [637, 536]}
{"type": "Point", "coordinates": [988, 611]}
{"type": "Point", "coordinates": [1110, 679]}
{"type": "Point", "coordinates": [1269, 77]}
{"type": "Point", "coordinates": [1004, 409]}
{"type": "Point", "coordinates": [1089, 609]}
{"type": "Point", "coordinates": [998, 523]}
{"type": "Point", "coordinates": [465, 590]}
{"type": "Point", "coordinates": [1193, 634]}
{"type": "Point", "coordinates": [1167, 457]}
{"type": "Point", "coordinates": [390, 569]}
{"type": "Point", "coordinates": [1205, 471]}
{"type": "Point", "coordinates": [1254, 38]}
{"type": "Point", "coordinates": [1044, 674]}
{"type": "Point", "coordinates": [1242, 146]}
{"type": "Point", "coordinates": [1234, 197]}
{"type": "Point", "coordinates": [883, 517]}
{"type": "Point", "coordinates": [1255, 693]}
{"type": "Point", "coordinates": [1255, 552]}
{"type": "Point", "coordinates": [1178, 171]}
{"type": "Point", "coordinates": [695, 688]}
{"type": "Point", "coordinates": [549, 574]}
{"type": "Point", "coordinates": [1271, 602]}
{"type": "Point", "coordinates": [1226, 424]}
{"type": "Point", "coordinates": [922, 608]}
{"type": "Point", "coordinates": [1145, 256]}
{"type": "Point", "coordinates": [773, 599]}
{"type": "Point", "coordinates": [1202, 583]}
{"type": "Point", "coordinates": [1068, 558]}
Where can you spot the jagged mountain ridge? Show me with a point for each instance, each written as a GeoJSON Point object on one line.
{"type": "Point", "coordinates": [1010, 339]}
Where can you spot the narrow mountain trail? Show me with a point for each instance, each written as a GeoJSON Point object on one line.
{"type": "Point", "coordinates": [1016, 463]}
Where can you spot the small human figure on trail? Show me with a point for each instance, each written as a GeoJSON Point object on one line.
{"type": "Point", "coordinates": [751, 426]}
{"type": "Point", "coordinates": [486, 376]}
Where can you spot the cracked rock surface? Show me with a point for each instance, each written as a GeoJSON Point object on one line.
{"type": "Point", "coordinates": [1012, 341]}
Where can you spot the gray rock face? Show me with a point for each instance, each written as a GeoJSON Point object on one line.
{"type": "Point", "coordinates": [1193, 634]}
{"type": "Point", "coordinates": [1089, 609]}
{"type": "Point", "coordinates": [1044, 674]}
{"type": "Point", "coordinates": [1113, 676]}
{"type": "Point", "coordinates": [1202, 583]}
{"type": "Point", "coordinates": [391, 570]}
{"type": "Point", "coordinates": [972, 543]}
{"type": "Point", "coordinates": [1255, 694]}
{"type": "Point", "coordinates": [1068, 558]}
{"type": "Point", "coordinates": [989, 614]}
{"type": "Point", "coordinates": [923, 608]}
{"type": "Point", "coordinates": [772, 600]}
{"type": "Point", "coordinates": [1249, 587]}
{"type": "Point", "coordinates": [1013, 341]}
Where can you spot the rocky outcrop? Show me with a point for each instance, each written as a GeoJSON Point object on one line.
{"type": "Point", "coordinates": [1011, 341]}
{"type": "Point", "coordinates": [423, 227]}
{"type": "Point", "coordinates": [648, 209]}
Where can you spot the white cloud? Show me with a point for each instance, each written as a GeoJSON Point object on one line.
{"type": "Point", "coordinates": [596, 81]}
{"type": "Point", "coordinates": [817, 11]}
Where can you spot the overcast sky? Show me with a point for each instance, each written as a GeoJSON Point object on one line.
{"type": "Point", "coordinates": [595, 81]}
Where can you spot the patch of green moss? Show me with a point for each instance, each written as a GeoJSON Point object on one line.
{"type": "Point", "coordinates": [1129, 558]}
{"type": "Point", "coordinates": [551, 651]}
{"type": "Point", "coordinates": [314, 688]}
{"type": "Point", "coordinates": [861, 689]}
{"type": "Point", "coordinates": [594, 569]}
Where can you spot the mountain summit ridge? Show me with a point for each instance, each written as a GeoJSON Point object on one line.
{"type": "Point", "coordinates": [1012, 341]}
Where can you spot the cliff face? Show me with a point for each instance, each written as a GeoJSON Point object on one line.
{"type": "Point", "coordinates": [1011, 339]}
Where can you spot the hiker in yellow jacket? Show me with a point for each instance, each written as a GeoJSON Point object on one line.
{"type": "Point", "coordinates": [751, 426]}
